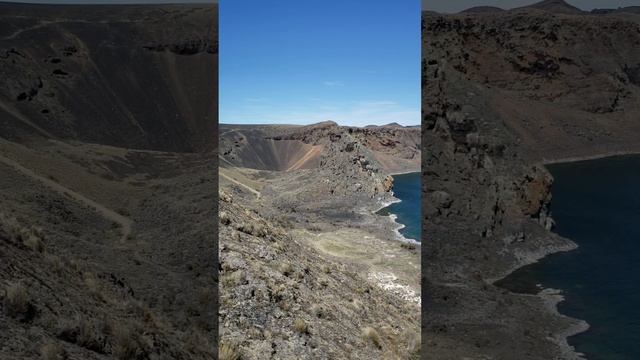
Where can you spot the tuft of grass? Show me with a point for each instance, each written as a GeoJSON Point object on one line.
{"type": "Point", "coordinates": [16, 300]}
{"type": "Point", "coordinates": [53, 351]}
{"type": "Point", "coordinates": [234, 279]}
{"type": "Point", "coordinates": [228, 352]}
{"type": "Point", "coordinates": [84, 332]}
{"type": "Point", "coordinates": [55, 261]}
{"type": "Point", "coordinates": [300, 326]}
{"type": "Point", "coordinates": [326, 269]}
{"type": "Point", "coordinates": [286, 269]}
{"type": "Point", "coordinates": [33, 242]}
{"type": "Point", "coordinates": [127, 344]}
{"type": "Point", "coordinates": [224, 217]}
{"type": "Point", "coordinates": [372, 335]}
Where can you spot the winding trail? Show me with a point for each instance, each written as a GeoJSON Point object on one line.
{"type": "Point", "coordinates": [256, 192]}
{"type": "Point", "coordinates": [124, 222]}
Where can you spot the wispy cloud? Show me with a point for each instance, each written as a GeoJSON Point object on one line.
{"type": "Point", "coordinates": [357, 113]}
{"type": "Point", "coordinates": [333, 83]}
{"type": "Point", "coordinates": [257, 100]}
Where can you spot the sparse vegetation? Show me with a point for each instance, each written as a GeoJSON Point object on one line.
{"type": "Point", "coordinates": [300, 326]}
{"type": "Point", "coordinates": [228, 352]}
{"type": "Point", "coordinates": [372, 335]}
{"type": "Point", "coordinates": [53, 351]}
{"type": "Point", "coordinates": [224, 217]}
{"type": "Point", "coordinates": [255, 229]}
{"type": "Point", "coordinates": [55, 262]}
{"type": "Point", "coordinates": [33, 242]}
{"type": "Point", "coordinates": [85, 332]}
{"type": "Point", "coordinates": [233, 279]}
{"type": "Point", "coordinates": [286, 269]}
{"type": "Point", "coordinates": [127, 343]}
{"type": "Point", "coordinates": [16, 300]}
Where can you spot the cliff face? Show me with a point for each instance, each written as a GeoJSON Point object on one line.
{"type": "Point", "coordinates": [503, 92]}
{"type": "Point", "coordinates": [129, 76]}
{"type": "Point", "coordinates": [563, 85]}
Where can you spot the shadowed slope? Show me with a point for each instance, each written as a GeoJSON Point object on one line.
{"type": "Point", "coordinates": [116, 75]}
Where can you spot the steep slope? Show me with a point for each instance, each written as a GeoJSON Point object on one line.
{"type": "Point", "coordinates": [107, 181]}
{"type": "Point", "coordinates": [131, 76]}
{"type": "Point", "coordinates": [286, 148]}
{"type": "Point", "coordinates": [503, 93]}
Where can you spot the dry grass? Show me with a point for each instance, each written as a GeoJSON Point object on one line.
{"type": "Point", "coordinates": [55, 262]}
{"type": "Point", "coordinates": [85, 332]}
{"type": "Point", "coordinates": [16, 300]}
{"type": "Point", "coordinates": [326, 269]}
{"type": "Point", "coordinates": [127, 343]}
{"type": "Point", "coordinates": [33, 242]}
{"type": "Point", "coordinates": [255, 229]}
{"type": "Point", "coordinates": [30, 237]}
{"type": "Point", "coordinates": [371, 334]}
{"type": "Point", "coordinates": [286, 269]}
{"type": "Point", "coordinates": [53, 351]}
{"type": "Point", "coordinates": [224, 217]}
{"type": "Point", "coordinates": [91, 282]}
{"type": "Point", "coordinates": [234, 279]}
{"type": "Point", "coordinates": [300, 326]}
{"type": "Point", "coordinates": [228, 352]}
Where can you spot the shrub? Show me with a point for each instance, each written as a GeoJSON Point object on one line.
{"type": "Point", "coordinates": [33, 242]}
{"type": "Point", "coordinates": [127, 343]}
{"type": "Point", "coordinates": [16, 300]}
{"type": "Point", "coordinates": [300, 326]}
{"type": "Point", "coordinates": [371, 334]}
{"type": "Point", "coordinates": [286, 269]}
{"type": "Point", "coordinates": [53, 351]}
{"type": "Point", "coordinates": [228, 352]}
{"type": "Point", "coordinates": [225, 219]}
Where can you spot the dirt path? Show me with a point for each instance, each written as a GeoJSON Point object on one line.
{"type": "Point", "coordinates": [123, 221]}
{"type": "Point", "coordinates": [256, 192]}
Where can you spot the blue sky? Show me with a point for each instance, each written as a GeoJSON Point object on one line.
{"type": "Point", "coordinates": [301, 62]}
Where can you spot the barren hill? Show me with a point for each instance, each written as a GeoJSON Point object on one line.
{"type": "Point", "coordinates": [130, 76]}
{"type": "Point", "coordinates": [299, 230]}
{"type": "Point", "coordinates": [503, 93]}
{"type": "Point", "coordinates": [107, 185]}
{"type": "Point", "coordinates": [554, 6]}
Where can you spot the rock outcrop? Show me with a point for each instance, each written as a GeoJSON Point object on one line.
{"type": "Point", "coordinates": [504, 92]}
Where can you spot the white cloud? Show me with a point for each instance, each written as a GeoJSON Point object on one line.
{"type": "Point", "coordinates": [333, 83]}
{"type": "Point", "coordinates": [356, 113]}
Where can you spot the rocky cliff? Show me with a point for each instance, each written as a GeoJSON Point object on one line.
{"type": "Point", "coordinates": [503, 92]}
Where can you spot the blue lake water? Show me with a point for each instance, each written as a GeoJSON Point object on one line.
{"type": "Point", "coordinates": [406, 187]}
{"type": "Point", "coordinates": [596, 204]}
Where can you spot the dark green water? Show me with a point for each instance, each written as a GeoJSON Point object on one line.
{"type": "Point", "coordinates": [596, 204]}
{"type": "Point", "coordinates": [406, 187]}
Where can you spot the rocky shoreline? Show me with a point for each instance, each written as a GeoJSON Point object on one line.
{"type": "Point", "coordinates": [505, 93]}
